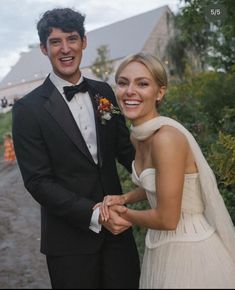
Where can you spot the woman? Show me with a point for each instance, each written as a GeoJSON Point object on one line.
{"type": "Point", "coordinates": [190, 241]}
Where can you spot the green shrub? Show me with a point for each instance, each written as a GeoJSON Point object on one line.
{"type": "Point", "coordinates": [222, 159]}
{"type": "Point", "coordinates": [229, 199]}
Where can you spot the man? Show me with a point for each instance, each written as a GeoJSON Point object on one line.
{"type": "Point", "coordinates": [4, 102]}
{"type": "Point", "coordinates": [66, 155]}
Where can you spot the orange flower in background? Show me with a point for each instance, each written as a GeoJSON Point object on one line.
{"type": "Point", "coordinates": [9, 152]}
{"type": "Point", "coordinates": [105, 109]}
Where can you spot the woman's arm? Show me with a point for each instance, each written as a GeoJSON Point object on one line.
{"type": "Point", "coordinates": [138, 194]}
{"type": "Point", "coordinates": [169, 154]}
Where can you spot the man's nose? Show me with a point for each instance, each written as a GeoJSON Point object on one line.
{"type": "Point", "coordinates": [65, 47]}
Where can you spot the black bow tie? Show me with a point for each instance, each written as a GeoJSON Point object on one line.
{"type": "Point", "coordinates": [70, 91]}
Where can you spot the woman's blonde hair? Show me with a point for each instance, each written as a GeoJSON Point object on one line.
{"type": "Point", "coordinates": [152, 63]}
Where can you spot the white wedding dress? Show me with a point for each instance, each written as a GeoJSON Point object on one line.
{"type": "Point", "coordinates": [200, 253]}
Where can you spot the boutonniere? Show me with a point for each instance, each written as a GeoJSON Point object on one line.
{"type": "Point", "coordinates": [105, 109]}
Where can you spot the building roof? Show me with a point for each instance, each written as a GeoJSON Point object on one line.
{"type": "Point", "coordinates": [31, 65]}
{"type": "Point", "coordinates": [122, 38]}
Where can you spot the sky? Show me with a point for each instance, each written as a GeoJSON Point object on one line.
{"type": "Point", "coordinates": [18, 20]}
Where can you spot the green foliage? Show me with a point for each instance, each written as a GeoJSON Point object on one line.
{"type": "Point", "coordinates": [229, 199]}
{"type": "Point", "coordinates": [227, 121]}
{"type": "Point", "coordinates": [204, 102]}
{"type": "Point", "coordinates": [184, 103]}
{"type": "Point", "coordinates": [222, 159]}
{"type": "Point", "coordinates": [125, 178]}
{"type": "Point", "coordinates": [223, 40]}
{"type": "Point", "coordinates": [218, 99]}
{"type": "Point", "coordinates": [139, 232]}
{"type": "Point", "coordinates": [102, 67]}
{"type": "Point", "coordinates": [194, 29]}
{"type": "Point", "coordinates": [213, 41]}
{"type": "Point", "coordinates": [177, 54]}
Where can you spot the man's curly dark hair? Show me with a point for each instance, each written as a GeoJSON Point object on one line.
{"type": "Point", "coordinates": [66, 19]}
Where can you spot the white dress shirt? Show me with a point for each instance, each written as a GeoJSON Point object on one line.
{"type": "Point", "coordinates": [83, 113]}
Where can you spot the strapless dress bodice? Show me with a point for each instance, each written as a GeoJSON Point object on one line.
{"type": "Point", "coordinates": [192, 225]}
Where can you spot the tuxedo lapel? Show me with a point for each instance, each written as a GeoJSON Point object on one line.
{"type": "Point", "coordinates": [57, 108]}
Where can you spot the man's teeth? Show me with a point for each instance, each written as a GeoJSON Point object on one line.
{"type": "Point", "coordinates": [66, 58]}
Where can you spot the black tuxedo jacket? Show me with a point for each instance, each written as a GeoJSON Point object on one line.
{"type": "Point", "coordinates": [58, 169]}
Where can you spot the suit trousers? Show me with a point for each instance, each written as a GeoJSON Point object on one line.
{"type": "Point", "coordinates": [115, 266]}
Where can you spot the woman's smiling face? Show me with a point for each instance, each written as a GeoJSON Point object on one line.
{"type": "Point", "coordinates": [137, 93]}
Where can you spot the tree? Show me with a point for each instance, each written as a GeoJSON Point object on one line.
{"type": "Point", "coordinates": [205, 40]}
{"type": "Point", "coordinates": [102, 67]}
{"type": "Point", "coordinates": [177, 54]}
{"type": "Point", "coordinates": [194, 30]}
{"type": "Point", "coordinates": [223, 41]}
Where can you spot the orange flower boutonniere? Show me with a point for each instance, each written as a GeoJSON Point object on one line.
{"type": "Point", "coordinates": [105, 109]}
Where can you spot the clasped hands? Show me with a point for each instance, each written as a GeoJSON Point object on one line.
{"type": "Point", "coordinates": [112, 214]}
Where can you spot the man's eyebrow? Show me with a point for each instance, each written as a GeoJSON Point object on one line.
{"type": "Point", "coordinates": [54, 38]}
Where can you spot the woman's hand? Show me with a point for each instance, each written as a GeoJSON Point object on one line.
{"type": "Point", "coordinates": [116, 224]}
{"type": "Point", "coordinates": [109, 200]}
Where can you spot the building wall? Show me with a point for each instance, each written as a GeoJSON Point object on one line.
{"type": "Point", "coordinates": [159, 38]}
{"type": "Point", "coordinates": [19, 90]}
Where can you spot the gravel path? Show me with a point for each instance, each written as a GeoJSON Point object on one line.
{"type": "Point", "coordinates": [22, 266]}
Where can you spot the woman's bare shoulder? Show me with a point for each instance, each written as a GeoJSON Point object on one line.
{"type": "Point", "coordinates": [169, 136]}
